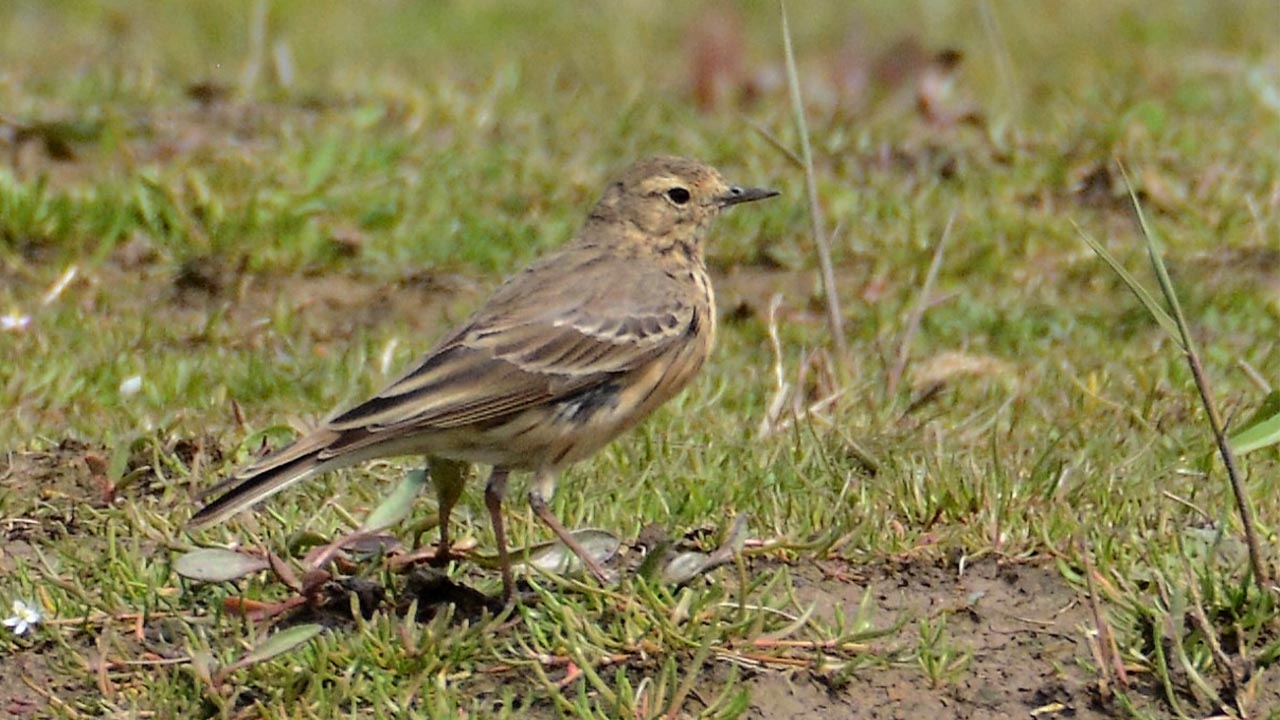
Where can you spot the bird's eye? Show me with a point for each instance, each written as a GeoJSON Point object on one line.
{"type": "Point", "coordinates": [678, 195]}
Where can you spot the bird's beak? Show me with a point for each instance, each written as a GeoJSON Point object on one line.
{"type": "Point", "coordinates": [740, 195]}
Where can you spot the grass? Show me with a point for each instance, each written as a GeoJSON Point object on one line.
{"type": "Point", "coordinates": [259, 260]}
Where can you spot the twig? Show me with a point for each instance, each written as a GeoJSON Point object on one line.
{"type": "Point", "coordinates": [149, 662]}
{"type": "Point", "coordinates": [777, 143]}
{"type": "Point", "coordinates": [824, 646]}
{"type": "Point", "coordinates": [51, 698]}
{"type": "Point", "coordinates": [1201, 620]}
{"type": "Point", "coordinates": [1254, 375]}
{"type": "Point", "coordinates": [1188, 505]}
{"type": "Point", "coordinates": [917, 314]}
{"type": "Point", "coordinates": [1004, 67]}
{"type": "Point", "coordinates": [257, 47]}
{"type": "Point", "coordinates": [131, 618]}
{"type": "Point", "coordinates": [783, 389]}
{"type": "Point", "coordinates": [760, 660]}
{"type": "Point", "coordinates": [834, 318]}
{"type": "Point", "coordinates": [1107, 647]}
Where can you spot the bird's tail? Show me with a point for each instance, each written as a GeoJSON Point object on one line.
{"type": "Point", "coordinates": [293, 463]}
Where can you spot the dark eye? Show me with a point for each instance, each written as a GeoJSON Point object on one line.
{"type": "Point", "coordinates": [678, 195]}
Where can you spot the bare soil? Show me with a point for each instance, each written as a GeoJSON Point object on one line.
{"type": "Point", "coordinates": [1022, 625]}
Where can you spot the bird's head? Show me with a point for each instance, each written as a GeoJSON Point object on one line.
{"type": "Point", "coordinates": [671, 199]}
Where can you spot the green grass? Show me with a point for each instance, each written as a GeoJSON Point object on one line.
{"type": "Point", "coordinates": [423, 150]}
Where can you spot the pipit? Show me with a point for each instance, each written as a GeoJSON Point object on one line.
{"type": "Point", "coordinates": [566, 355]}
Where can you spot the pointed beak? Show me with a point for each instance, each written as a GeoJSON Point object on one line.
{"type": "Point", "coordinates": [738, 195]}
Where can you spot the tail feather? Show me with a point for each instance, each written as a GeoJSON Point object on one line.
{"type": "Point", "coordinates": [291, 464]}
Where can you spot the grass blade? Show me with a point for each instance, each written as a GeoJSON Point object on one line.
{"type": "Point", "coordinates": [1243, 504]}
{"type": "Point", "coordinates": [1135, 286]}
{"type": "Point", "coordinates": [834, 319]}
{"type": "Point", "coordinates": [1264, 434]}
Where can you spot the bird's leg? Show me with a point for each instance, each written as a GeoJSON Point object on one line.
{"type": "Point", "coordinates": [494, 490]}
{"type": "Point", "coordinates": [449, 477]}
{"type": "Point", "coordinates": [544, 483]}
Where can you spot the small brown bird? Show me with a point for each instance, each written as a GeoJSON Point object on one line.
{"type": "Point", "coordinates": [565, 356]}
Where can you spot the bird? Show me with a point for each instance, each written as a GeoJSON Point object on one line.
{"type": "Point", "coordinates": [566, 355]}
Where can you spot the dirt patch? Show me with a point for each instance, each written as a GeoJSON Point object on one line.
{"type": "Point", "coordinates": [42, 491]}
{"type": "Point", "coordinates": [83, 673]}
{"type": "Point", "coordinates": [72, 149]}
{"type": "Point", "coordinates": [334, 305]}
{"type": "Point", "coordinates": [27, 676]}
{"type": "Point", "coordinates": [1023, 628]}
{"type": "Point", "coordinates": [324, 306]}
{"type": "Point", "coordinates": [1021, 625]}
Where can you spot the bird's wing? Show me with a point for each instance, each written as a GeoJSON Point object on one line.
{"type": "Point", "coordinates": [532, 343]}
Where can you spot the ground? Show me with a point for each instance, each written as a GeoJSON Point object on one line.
{"type": "Point", "coordinates": [997, 496]}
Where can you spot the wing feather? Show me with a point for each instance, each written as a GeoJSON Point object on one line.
{"type": "Point", "coordinates": [515, 355]}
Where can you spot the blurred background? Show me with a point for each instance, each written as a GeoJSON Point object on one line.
{"type": "Point", "coordinates": [190, 143]}
{"type": "Point", "coordinates": [201, 140]}
{"type": "Point", "coordinates": [558, 95]}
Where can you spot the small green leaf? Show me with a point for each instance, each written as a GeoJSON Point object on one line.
{"type": "Point", "coordinates": [555, 557]}
{"type": "Point", "coordinates": [1135, 286]}
{"type": "Point", "coordinates": [1150, 114]}
{"type": "Point", "coordinates": [1270, 407]}
{"type": "Point", "coordinates": [274, 646]}
{"type": "Point", "coordinates": [323, 162]}
{"type": "Point", "coordinates": [280, 643]}
{"type": "Point", "coordinates": [685, 566]}
{"type": "Point", "coordinates": [1259, 432]}
{"type": "Point", "coordinates": [218, 565]}
{"type": "Point", "coordinates": [398, 504]}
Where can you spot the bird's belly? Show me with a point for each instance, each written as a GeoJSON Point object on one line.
{"type": "Point", "coordinates": [551, 435]}
{"type": "Point", "coordinates": [573, 428]}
